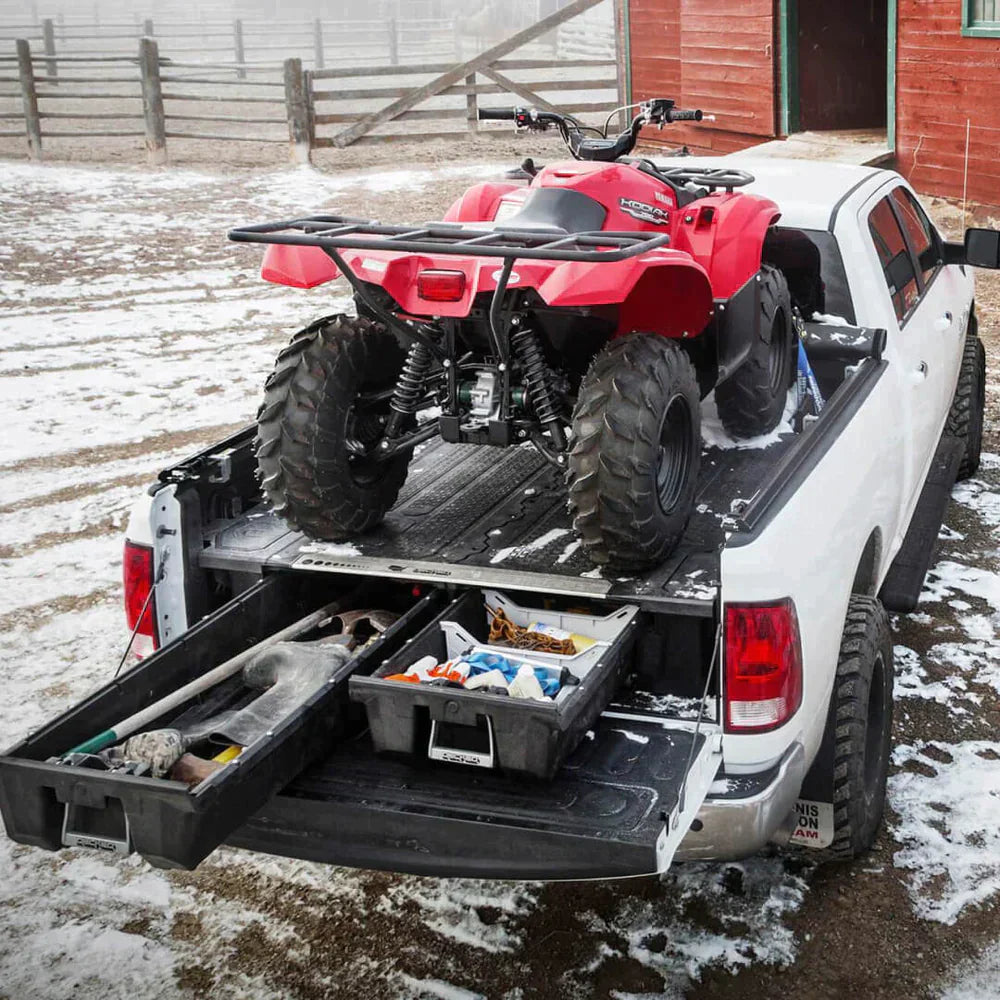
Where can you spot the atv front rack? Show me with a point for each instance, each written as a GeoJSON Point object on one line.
{"type": "Point", "coordinates": [338, 232]}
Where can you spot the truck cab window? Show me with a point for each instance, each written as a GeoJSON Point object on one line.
{"type": "Point", "coordinates": [897, 264]}
{"type": "Point", "coordinates": [923, 236]}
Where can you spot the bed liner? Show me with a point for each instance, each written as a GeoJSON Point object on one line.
{"type": "Point", "coordinates": [498, 517]}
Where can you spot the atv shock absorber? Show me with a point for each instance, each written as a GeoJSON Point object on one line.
{"type": "Point", "coordinates": [409, 387]}
{"type": "Point", "coordinates": [535, 373]}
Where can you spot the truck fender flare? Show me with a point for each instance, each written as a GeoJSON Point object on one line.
{"type": "Point", "coordinates": [867, 574]}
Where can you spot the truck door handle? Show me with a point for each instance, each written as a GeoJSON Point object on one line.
{"type": "Point", "coordinates": [944, 322]}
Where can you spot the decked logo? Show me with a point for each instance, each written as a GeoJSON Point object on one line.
{"type": "Point", "coordinates": [643, 212]}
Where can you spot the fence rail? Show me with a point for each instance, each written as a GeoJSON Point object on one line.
{"type": "Point", "coordinates": [319, 42]}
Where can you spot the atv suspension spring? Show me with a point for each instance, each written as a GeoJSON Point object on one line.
{"type": "Point", "coordinates": [410, 384]}
{"type": "Point", "coordinates": [536, 380]}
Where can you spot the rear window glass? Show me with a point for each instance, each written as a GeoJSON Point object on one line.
{"type": "Point", "coordinates": [811, 261]}
{"type": "Point", "coordinates": [920, 229]}
{"type": "Point", "coordinates": [895, 257]}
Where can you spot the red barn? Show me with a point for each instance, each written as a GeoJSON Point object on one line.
{"type": "Point", "coordinates": [915, 78]}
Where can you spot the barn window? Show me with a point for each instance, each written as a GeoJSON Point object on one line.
{"type": "Point", "coordinates": [981, 18]}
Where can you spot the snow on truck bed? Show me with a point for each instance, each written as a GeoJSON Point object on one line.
{"type": "Point", "coordinates": [132, 333]}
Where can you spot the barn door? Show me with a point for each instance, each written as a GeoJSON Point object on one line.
{"type": "Point", "coordinates": [727, 64]}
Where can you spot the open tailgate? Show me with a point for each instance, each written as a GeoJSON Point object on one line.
{"type": "Point", "coordinates": [619, 806]}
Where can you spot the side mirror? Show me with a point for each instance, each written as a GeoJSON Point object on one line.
{"type": "Point", "coordinates": [982, 248]}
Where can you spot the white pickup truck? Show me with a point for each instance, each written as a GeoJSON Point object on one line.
{"type": "Point", "coordinates": [753, 701]}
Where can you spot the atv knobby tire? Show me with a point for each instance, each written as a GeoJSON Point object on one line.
{"type": "Point", "coordinates": [633, 466]}
{"type": "Point", "coordinates": [965, 419]}
{"type": "Point", "coordinates": [308, 416]}
{"type": "Point", "coordinates": [752, 400]}
{"type": "Point", "coordinates": [860, 725]}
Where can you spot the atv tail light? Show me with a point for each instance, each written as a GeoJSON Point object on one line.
{"type": "Point", "coordinates": [137, 572]}
{"type": "Point", "coordinates": [763, 666]}
{"type": "Point", "coordinates": [441, 286]}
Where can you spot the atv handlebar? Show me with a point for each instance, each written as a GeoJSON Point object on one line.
{"type": "Point", "coordinates": [684, 116]}
{"type": "Point", "coordinates": [496, 114]}
{"type": "Point", "coordinates": [659, 111]}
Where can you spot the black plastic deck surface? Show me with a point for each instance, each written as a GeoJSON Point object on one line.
{"type": "Point", "coordinates": [498, 516]}
{"type": "Point", "coordinates": [601, 815]}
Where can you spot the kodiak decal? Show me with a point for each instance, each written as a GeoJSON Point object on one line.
{"type": "Point", "coordinates": [643, 212]}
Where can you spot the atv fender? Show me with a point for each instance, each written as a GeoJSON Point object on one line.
{"type": "Point", "coordinates": [299, 267]}
{"type": "Point", "coordinates": [480, 202]}
{"type": "Point", "coordinates": [667, 292]}
{"type": "Point", "coordinates": [738, 246]}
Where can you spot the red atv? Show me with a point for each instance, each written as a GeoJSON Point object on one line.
{"type": "Point", "coordinates": [587, 312]}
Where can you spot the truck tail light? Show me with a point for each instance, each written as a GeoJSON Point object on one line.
{"type": "Point", "coordinates": [441, 286]}
{"type": "Point", "coordinates": [137, 572]}
{"type": "Point", "coordinates": [763, 666]}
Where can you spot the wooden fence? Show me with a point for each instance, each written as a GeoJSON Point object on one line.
{"type": "Point", "coordinates": [252, 45]}
{"type": "Point", "coordinates": [145, 96]}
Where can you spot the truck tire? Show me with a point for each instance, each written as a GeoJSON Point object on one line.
{"type": "Point", "coordinates": [306, 468]}
{"type": "Point", "coordinates": [860, 725]}
{"type": "Point", "coordinates": [752, 400]}
{"type": "Point", "coordinates": [636, 450]}
{"type": "Point", "coordinates": [965, 419]}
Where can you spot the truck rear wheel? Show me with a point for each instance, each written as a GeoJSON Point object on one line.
{"type": "Point", "coordinates": [860, 726]}
{"type": "Point", "coordinates": [633, 466]}
{"type": "Point", "coordinates": [752, 400]}
{"type": "Point", "coordinates": [965, 419]}
{"type": "Point", "coordinates": [315, 425]}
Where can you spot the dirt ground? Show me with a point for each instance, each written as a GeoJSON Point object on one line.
{"type": "Point", "coordinates": [133, 333]}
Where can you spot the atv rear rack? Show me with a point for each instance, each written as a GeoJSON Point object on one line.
{"type": "Point", "coordinates": [338, 232]}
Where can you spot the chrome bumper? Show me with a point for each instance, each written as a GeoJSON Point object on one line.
{"type": "Point", "coordinates": [727, 829]}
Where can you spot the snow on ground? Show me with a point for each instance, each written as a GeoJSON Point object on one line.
{"type": "Point", "coordinates": [131, 333]}
{"type": "Point", "coordinates": [977, 979]}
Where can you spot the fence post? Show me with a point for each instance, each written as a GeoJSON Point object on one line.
{"type": "Point", "coordinates": [238, 44]}
{"type": "Point", "coordinates": [152, 102]}
{"type": "Point", "coordinates": [147, 28]}
{"type": "Point", "coordinates": [32, 122]}
{"type": "Point", "coordinates": [456, 28]}
{"type": "Point", "coordinates": [49, 41]}
{"type": "Point", "coordinates": [318, 42]}
{"type": "Point", "coordinates": [471, 103]}
{"type": "Point", "coordinates": [297, 106]}
{"type": "Point", "coordinates": [393, 30]}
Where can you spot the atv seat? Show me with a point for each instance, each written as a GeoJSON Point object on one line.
{"type": "Point", "coordinates": [556, 211]}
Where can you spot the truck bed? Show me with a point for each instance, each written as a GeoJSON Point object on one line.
{"type": "Point", "coordinates": [475, 515]}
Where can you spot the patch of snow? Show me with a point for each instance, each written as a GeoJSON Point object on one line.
{"type": "Point", "coordinates": [535, 545]}
{"type": "Point", "coordinates": [976, 979]}
{"type": "Point", "coordinates": [747, 926]}
{"type": "Point", "coordinates": [981, 497]}
{"type": "Point", "coordinates": [946, 578]}
{"type": "Point", "coordinates": [632, 737]}
{"type": "Point", "coordinates": [948, 804]}
{"type": "Point", "coordinates": [829, 319]}
{"type": "Point", "coordinates": [422, 989]}
{"type": "Point", "coordinates": [568, 552]}
{"type": "Point", "coordinates": [448, 907]}
{"type": "Point", "coordinates": [337, 550]}
{"type": "Point", "coordinates": [912, 681]}
{"type": "Point", "coordinates": [714, 435]}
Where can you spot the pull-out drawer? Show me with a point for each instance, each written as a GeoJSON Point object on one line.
{"type": "Point", "coordinates": [487, 728]}
{"type": "Point", "coordinates": [51, 804]}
